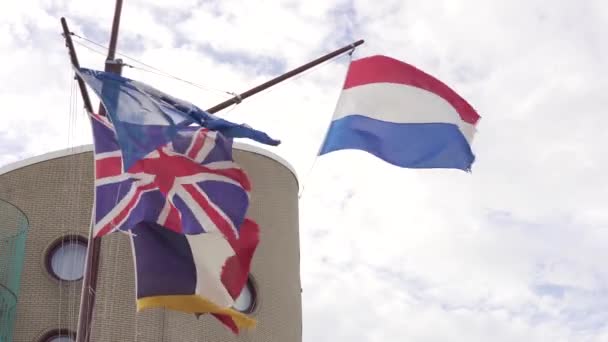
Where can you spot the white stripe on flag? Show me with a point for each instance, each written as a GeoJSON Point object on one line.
{"type": "Point", "coordinates": [209, 253]}
{"type": "Point", "coordinates": [199, 213]}
{"type": "Point", "coordinates": [102, 155]}
{"type": "Point", "coordinates": [399, 103]}
{"type": "Point", "coordinates": [205, 177]}
{"type": "Point", "coordinates": [122, 205]}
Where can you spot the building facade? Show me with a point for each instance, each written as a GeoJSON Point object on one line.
{"type": "Point", "coordinates": [55, 192]}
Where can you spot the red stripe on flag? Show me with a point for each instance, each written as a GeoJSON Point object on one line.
{"type": "Point", "coordinates": [236, 268]}
{"type": "Point", "coordinates": [101, 119]}
{"type": "Point", "coordinates": [217, 219]}
{"type": "Point", "coordinates": [383, 69]}
{"type": "Point", "coordinates": [235, 174]}
{"type": "Point", "coordinates": [198, 143]}
{"type": "Point", "coordinates": [174, 220]}
{"type": "Point", "coordinates": [125, 211]}
{"type": "Point", "coordinates": [108, 167]}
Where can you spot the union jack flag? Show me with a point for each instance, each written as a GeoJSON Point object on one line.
{"type": "Point", "coordinates": [190, 185]}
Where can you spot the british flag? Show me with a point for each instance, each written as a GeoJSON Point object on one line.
{"type": "Point", "coordinates": [190, 185]}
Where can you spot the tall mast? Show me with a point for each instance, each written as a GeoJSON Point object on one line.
{"type": "Point", "coordinates": [89, 283]}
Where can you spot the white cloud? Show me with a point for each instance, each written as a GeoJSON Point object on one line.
{"type": "Point", "coordinates": [511, 252]}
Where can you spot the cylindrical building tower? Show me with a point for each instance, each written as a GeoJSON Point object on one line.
{"type": "Point", "coordinates": [55, 191]}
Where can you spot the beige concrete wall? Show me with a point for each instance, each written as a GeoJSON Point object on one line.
{"type": "Point", "coordinates": [56, 195]}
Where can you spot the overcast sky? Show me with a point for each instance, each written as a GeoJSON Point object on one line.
{"type": "Point", "coordinates": [514, 251]}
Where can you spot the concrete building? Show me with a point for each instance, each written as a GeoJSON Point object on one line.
{"type": "Point", "coordinates": [55, 192]}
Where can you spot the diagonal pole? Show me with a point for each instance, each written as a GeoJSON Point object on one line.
{"type": "Point", "coordinates": [74, 59]}
{"type": "Point", "coordinates": [238, 98]}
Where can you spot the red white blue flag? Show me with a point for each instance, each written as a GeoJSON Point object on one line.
{"type": "Point", "coordinates": [202, 273]}
{"type": "Point", "coordinates": [184, 204]}
{"type": "Point", "coordinates": [189, 185]}
{"type": "Point", "coordinates": [403, 116]}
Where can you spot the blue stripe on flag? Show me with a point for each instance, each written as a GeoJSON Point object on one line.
{"type": "Point", "coordinates": [105, 140]}
{"type": "Point", "coordinates": [164, 262]}
{"type": "Point", "coordinates": [229, 197]}
{"type": "Point", "coordinates": [190, 225]}
{"type": "Point", "coordinates": [410, 145]}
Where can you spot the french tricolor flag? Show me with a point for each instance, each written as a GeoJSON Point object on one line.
{"type": "Point", "coordinates": [403, 116]}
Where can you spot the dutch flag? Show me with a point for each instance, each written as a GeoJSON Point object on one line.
{"type": "Point", "coordinates": [403, 116]}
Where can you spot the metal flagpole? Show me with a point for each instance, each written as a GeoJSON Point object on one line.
{"type": "Point", "coordinates": [279, 79]}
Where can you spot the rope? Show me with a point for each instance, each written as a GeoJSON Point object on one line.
{"type": "Point", "coordinates": [136, 328]}
{"type": "Point", "coordinates": [89, 48]}
{"type": "Point", "coordinates": [238, 97]}
{"type": "Point", "coordinates": [109, 281]}
{"type": "Point", "coordinates": [314, 162]}
{"type": "Point", "coordinates": [68, 298]}
{"type": "Point", "coordinates": [156, 71]}
{"type": "Point", "coordinates": [150, 68]}
{"type": "Point", "coordinates": [63, 227]}
{"type": "Point", "coordinates": [163, 74]}
{"type": "Point", "coordinates": [114, 276]}
{"type": "Point", "coordinates": [291, 80]}
{"type": "Point", "coordinates": [70, 264]}
{"type": "Point", "coordinates": [79, 202]}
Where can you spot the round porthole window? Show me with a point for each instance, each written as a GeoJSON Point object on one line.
{"type": "Point", "coordinates": [61, 339]}
{"type": "Point", "coordinates": [59, 335]}
{"type": "Point", "coordinates": [66, 258]}
{"type": "Point", "coordinates": [246, 300]}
